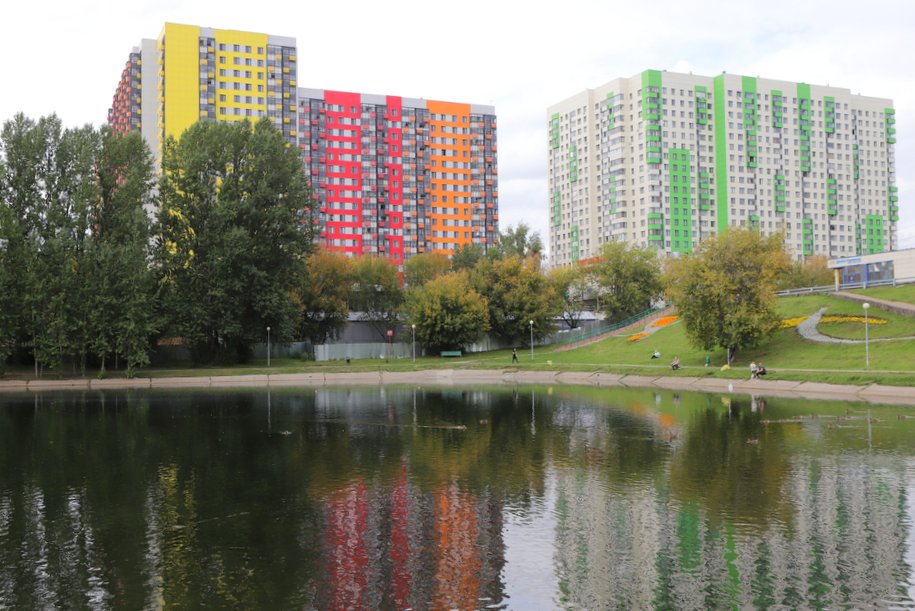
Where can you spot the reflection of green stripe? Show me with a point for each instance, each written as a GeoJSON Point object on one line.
{"type": "Point", "coordinates": [721, 158]}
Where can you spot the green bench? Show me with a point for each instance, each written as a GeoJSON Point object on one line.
{"type": "Point", "coordinates": [448, 353]}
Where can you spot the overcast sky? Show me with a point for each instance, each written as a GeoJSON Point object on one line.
{"type": "Point", "coordinates": [66, 58]}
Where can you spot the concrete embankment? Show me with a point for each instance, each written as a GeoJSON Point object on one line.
{"type": "Point", "coordinates": [874, 393]}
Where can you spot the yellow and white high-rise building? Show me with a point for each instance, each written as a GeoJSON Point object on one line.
{"type": "Point", "coordinates": [191, 73]}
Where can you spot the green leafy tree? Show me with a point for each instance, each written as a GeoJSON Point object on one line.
{"type": "Point", "coordinates": [813, 271]}
{"type": "Point", "coordinates": [121, 303]}
{"type": "Point", "coordinates": [234, 229]}
{"type": "Point", "coordinates": [629, 279]}
{"type": "Point", "coordinates": [572, 287]}
{"type": "Point", "coordinates": [448, 312]}
{"type": "Point", "coordinates": [10, 284]}
{"type": "Point", "coordinates": [467, 257]}
{"type": "Point", "coordinates": [377, 295]}
{"type": "Point", "coordinates": [725, 290]}
{"type": "Point", "coordinates": [519, 241]}
{"type": "Point", "coordinates": [517, 293]}
{"type": "Point", "coordinates": [420, 269]}
{"type": "Point", "coordinates": [49, 186]}
{"type": "Point", "coordinates": [324, 294]}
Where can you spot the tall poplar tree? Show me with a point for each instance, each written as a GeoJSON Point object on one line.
{"type": "Point", "coordinates": [121, 304]}
{"type": "Point", "coordinates": [235, 224]}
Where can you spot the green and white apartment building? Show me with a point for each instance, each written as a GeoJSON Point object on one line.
{"type": "Point", "coordinates": [665, 159]}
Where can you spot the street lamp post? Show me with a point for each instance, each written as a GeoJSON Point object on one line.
{"type": "Point", "coordinates": [414, 342]}
{"type": "Point", "coordinates": [532, 340]}
{"type": "Point", "coordinates": [268, 346]}
{"type": "Point", "coordinates": [867, 358]}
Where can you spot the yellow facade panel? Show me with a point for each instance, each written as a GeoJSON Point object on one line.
{"type": "Point", "coordinates": [181, 46]}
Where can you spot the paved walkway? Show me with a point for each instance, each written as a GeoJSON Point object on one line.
{"type": "Point", "coordinates": [808, 330]}
{"type": "Point", "coordinates": [874, 393]}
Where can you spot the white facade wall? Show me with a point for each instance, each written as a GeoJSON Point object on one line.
{"type": "Point", "coordinates": [836, 184]}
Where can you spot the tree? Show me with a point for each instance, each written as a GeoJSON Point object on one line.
{"type": "Point", "coordinates": [121, 304]}
{"type": "Point", "coordinates": [10, 292]}
{"type": "Point", "coordinates": [324, 294]}
{"type": "Point", "coordinates": [813, 271]}
{"type": "Point", "coordinates": [467, 257]}
{"type": "Point", "coordinates": [519, 241]}
{"type": "Point", "coordinates": [377, 294]}
{"type": "Point", "coordinates": [420, 269]}
{"type": "Point", "coordinates": [517, 293]}
{"type": "Point", "coordinates": [571, 285]}
{"type": "Point", "coordinates": [725, 290]}
{"type": "Point", "coordinates": [235, 226]}
{"type": "Point", "coordinates": [49, 186]}
{"type": "Point", "coordinates": [629, 279]}
{"type": "Point", "coordinates": [448, 312]}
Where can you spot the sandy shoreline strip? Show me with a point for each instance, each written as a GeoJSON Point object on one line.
{"type": "Point", "coordinates": [874, 393]}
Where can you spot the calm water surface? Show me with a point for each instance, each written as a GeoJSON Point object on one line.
{"type": "Point", "coordinates": [421, 498]}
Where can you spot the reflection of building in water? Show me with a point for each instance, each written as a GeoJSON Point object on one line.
{"type": "Point", "coordinates": [400, 547]}
{"type": "Point", "coordinates": [634, 546]}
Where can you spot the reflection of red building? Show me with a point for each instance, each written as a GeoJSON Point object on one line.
{"type": "Point", "coordinates": [397, 547]}
{"type": "Point", "coordinates": [347, 557]}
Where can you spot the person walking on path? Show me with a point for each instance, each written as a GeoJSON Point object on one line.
{"type": "Point", "coordinates": [514, 355]}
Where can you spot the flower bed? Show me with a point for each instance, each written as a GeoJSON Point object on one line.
{"type": "Point", "coordinates": [788, 323]}
{"type": "Point", "coordinates": [840, 318]}
{"type": "Point", "coordinates": [636, 337]}
{"type": "Point", "coordinates": [663, 322]}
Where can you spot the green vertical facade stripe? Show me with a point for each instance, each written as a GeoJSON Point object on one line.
{"type": "Point", "coordinates": [874, 234]}
{"type": "Point", "coordinates": [651, 114]}
{"type": "Point", "coordinates": [748, 84]}
{"type": "Point", "coordinates": [651, 78]}
{"type": "Point", "coordinates": [804, 124]}
{"type": "Point", "coordinates": [681, 207]}
{"type": "Point", "coordinates": [721, 155]}
{"type": "Point", "coordinates": [748, 107]}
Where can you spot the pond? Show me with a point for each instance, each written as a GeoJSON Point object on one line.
{"type": "Point", "coordinates": [422, 497]}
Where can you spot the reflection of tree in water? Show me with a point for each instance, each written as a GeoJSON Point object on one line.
{"type": "Point", "coordinates": [733, 465]}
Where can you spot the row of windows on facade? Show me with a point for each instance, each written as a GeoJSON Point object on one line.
{"type": "Point", "coordinates": [272, 77]}
{"type": "Point", "coordinates": [579, 137]}
{"type": "Point", "coordinates": [619, 209]}
{"type": "Point", "coordinates": [689, 93]}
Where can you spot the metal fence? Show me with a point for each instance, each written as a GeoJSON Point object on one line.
{"type": "Point", "coordinates": [582, 333]}
{"type": "Point", "coordinates": [850, 286]}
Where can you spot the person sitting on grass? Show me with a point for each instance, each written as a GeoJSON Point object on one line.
{"type": "Point", "coordinates": [675, 365]}
{"type": "Point", "coordinates": [760, 370]}
{"type": "Point", "coordinates": [655, 355]}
